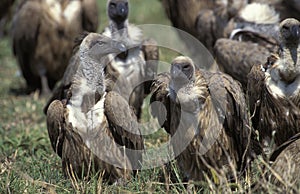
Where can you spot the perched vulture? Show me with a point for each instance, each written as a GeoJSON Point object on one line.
{"type": "Point", "coordinates": [206, 115]}
{"type": "Point", "coordinates": [94, 130]}
{"type": "Point", "coordinates": [253, 39]}
{"type": "Point", "coordinates": [43, 34]}
{"type": "Point", "coordinates": [286, 162]}
{"type": "Point", "coordinates": [131, 72]}
{"type": "Point", "coordinates": [273, 88]}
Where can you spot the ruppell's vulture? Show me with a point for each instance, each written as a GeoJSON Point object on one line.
{"type": "Point", "coordinates": [273, 88]}
{"type": "Point", "coordinates": [43, 34]}
{"type": "Point", "coordinates": [285, 167]}
{"type": "Point", "coordinates": [253, 38]}
{"type": "Point", "coordinates": [131, 72]}
{"type": "Point", "coordinates": [206, 112]}
{"type": "Point", "coordinates": [91, 129]}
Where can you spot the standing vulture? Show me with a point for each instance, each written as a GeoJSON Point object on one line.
{"type": "Point", "coordinates": [94, 130]}
{"type": "Point", "coordinates": [273, 88]}
{"type": "Point", "coordinates": [131, 72]}
{"type": "Point", "coordinates": [286, 162]}
{"type": "Point", "coordinates": [253, 39]}
{"type": "Point", "coordinates": [206, 112]}
{"type": "Point", "coordinates": [43, 34]}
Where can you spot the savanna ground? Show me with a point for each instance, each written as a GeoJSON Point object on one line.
{"type": "Point", "coordinates": [28, 163]}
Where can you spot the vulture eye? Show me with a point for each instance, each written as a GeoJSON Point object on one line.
{"type": "Point", "coordinates": [112, 5]}
{"type": "Point", "coordinates": [186, 67]}
{"type": "Point", "coordinates": [285, 27]}
{"type": "Point", "coordinates": [101, 43]}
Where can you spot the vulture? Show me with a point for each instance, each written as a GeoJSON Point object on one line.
{"type": "Point", "coordinates": [273, 88]}
{"type": "Point", "coordinates": [43, 35]}
{"type": "Point", "coordinates": [254, 36]}
{"type": "Point", "coordinates": [93, 130]}
{"type": "Point", "coordinates": [206, 115]}
{"type": "Point", "coordinates": [286, 162]}
{"type": "Point", "coordinates": [131, 72]}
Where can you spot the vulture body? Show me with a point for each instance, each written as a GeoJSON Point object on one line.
{"type": "Point", "coordinates": [94, 130]}
{"type": "Point", "coordinates": [253, 38]}
{"type": "Point", "coordinates": [286, 162]}
{"type": "Point", "coordinates": [273, 88]}
{"type": "Point", "coordinates": [206, 112]}
{"type": "Point", "coordinates": [43, 34]}
{"type": "Point", "coordinates": [131, 72]}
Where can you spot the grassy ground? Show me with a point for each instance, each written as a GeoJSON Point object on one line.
{"type": "Point", "coordinates": [27, 162]}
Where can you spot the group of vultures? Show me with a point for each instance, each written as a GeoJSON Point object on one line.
{"type": "Point", "coordinates": [96, 84]}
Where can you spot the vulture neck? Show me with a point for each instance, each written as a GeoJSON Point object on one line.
{"type": "Point", "coordinates": [92, 71]}
{"type": "Point", "coordinates": [289, 64]}
{"type": "Point", "coordinates": [119, 28]}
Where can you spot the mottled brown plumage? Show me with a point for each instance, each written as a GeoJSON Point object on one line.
{"type": "Point", "coordinates": [273, 88]}
{"type": "Point", "coordinates": [130, 71]}
{"type": "Point", "coordinates": [237, 58]}
{"type": "Point", "coordinates": [285, 167]}
{"type": "Point", "coordinates": [43, 34]}
{"type": "Point", "coordinates": [94, 130]}
{"type": "Point", "coordinates": [206, 112]}
{"type": "Point", "coordinates": [252, 40]}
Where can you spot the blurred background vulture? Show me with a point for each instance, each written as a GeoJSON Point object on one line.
{"type": "Point", "coordinates": [43, 34]}
{"type": "Point", "coordinates": [92, 130]}
{"type": "Point", "coordinates": [208, 112]}
{"type": "Point", "coordinates": [273, 88]}
{"type": "Point", "coordinates": [131, 72]}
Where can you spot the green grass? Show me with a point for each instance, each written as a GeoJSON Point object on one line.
{"type": "Point", "coordinates": [27, 161]}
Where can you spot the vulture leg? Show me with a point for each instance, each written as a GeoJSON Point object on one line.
{"type": "Point", "coordinates": [45, 90]}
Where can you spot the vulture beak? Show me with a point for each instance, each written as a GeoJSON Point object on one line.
{"type": "Point", "coordinates": [122, 9]}
{"type": "Point", "coordinates": [120, 47]}
{"type": "Point", "coordinates": [176, 72]}
{"type": "Point", "coordinates": [295, 32]}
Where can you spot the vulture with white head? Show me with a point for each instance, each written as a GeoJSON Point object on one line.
{"type": "Point", "coordinates": [273, 88]}
{"type": "Point", "coordinates": [43, 34]}
{"type": "Point", "coordinates": [91, 129]}
{"type": "Point", "coordinates": [131, 72]}
{"type": "Point", "coordinates": [206, 115]}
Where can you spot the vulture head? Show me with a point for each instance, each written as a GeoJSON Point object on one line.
{"type": "Point", "coordinates": [287, 67]}
{"type": "Point", "coordinates": [290, 31]}
{"type": "Point", "coordinates": [94, 50]}
{"type": "Point", "coordinates": [182, 71]}
{"type": "Point", "coordinates": [118, 11]}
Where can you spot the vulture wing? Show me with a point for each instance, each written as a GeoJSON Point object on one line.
{"type": "Point", "coordinates": [160, 101]}
{"type": "Point", "coordinates": [124, 127]}
{"type": "Point", "coordinates": [286, 163]}
{"type": "Point", "coordinates": [255, 87]}
{"type": "Point", "coordinates": [237, 58]}
{"type": "Point", "coordinates": [151, 53]}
